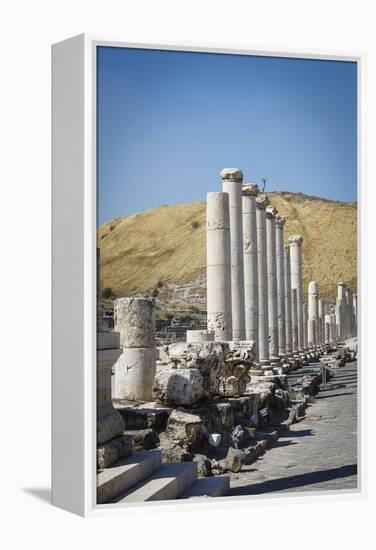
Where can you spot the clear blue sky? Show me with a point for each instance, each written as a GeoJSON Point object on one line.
{"type": "Point", "coordinates": [168, 122]}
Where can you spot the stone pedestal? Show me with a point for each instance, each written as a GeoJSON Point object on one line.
{"type": "Point", "coordinates": [135, 369]}
{"type": "Point", "coordinates": [313, 314]}
{"type": "Point", "coordinates": [263, 336]}
{"type": "Point", "coordinates": [232, 184]}
{"type": "Point", "coordinates": [281, 293]}
{"type": "Point", "coordinates": [296, 281]}
{"type": "Point", "coordinates": [288, 322]}
{"type": "Point", "coordinates": [109, 421]}
{"type": "Point", "coordinates": [199, 336]}
{"type": "Point", "coordinates": [271, 212]}
{"type": "Point", "coordinates": [219, 311]}
{"type": "Point", "coordinates": [250, 192]}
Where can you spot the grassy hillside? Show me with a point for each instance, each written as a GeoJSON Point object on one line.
{"type": "Point", "coordinates": [167, 244]}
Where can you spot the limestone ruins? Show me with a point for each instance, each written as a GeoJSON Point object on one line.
{"type": "Point", "coordinates": [174, 419]}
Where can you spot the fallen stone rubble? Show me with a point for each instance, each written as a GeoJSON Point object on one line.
{"type": "Point", "coordinates": [226, 433]}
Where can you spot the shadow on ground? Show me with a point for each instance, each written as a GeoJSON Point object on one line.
{"type": "Point", "coordinates": [291, 482]}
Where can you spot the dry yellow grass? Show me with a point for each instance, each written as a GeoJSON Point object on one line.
{"type": "Point", "coordinates": [168, 243]}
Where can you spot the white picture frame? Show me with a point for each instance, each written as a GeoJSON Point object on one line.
{"type": "Point", "coordinates": [74, 265]}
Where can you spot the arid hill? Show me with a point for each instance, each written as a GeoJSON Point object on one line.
{"type": "Point", "coordinates": [165, 247]}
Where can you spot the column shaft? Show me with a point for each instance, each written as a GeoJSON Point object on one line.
{"type": "Point", "coordinates": [313, 314]}
{"type": "Point", "coordinates": [281, 293]}
{"type": "Point", "coordinates": [288, 300]}
{"type": "Point", "coordinates": [263, 336]}
{"type": "Point", "coordinates": [219, 313]}
{"type": "Point", "coordinates": [232, 184]}
{"type": "Point", "coordinates": [294, 320]}
{"type": "Point", "coordinates": [250, 193]}
{"type": "Point", "coordinates": [272, 281]}
{"type": "Point", "coordinates": [296, 282]}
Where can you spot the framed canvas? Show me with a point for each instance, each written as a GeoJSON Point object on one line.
{"type": "Point", "coordinates": [206, 286]}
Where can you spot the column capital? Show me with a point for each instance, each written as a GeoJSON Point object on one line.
{"type": "Point", "coordinates": [313, 287]}
{"type": "Point", "coordinates": [250, 190]}
{"type": "Point", "coordinates": [271, 212]}
{"type": "Point", "coordinates": [280, 221]}
{"type": "Point", "coordinates": [232, 174]}
{"type": "Point", "coordinates": [296, 239]}
{"type": "Point", "coordinates": [341, 283]}
{"type": "Point", "coordinates": [262, 202]}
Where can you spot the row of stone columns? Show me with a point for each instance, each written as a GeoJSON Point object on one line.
{"type": "Point", "coordinates": [254, 280]}
{"type": "Point", "coordinates": [346, 310]}
{"type": "Point", "coordinates": [251, 274]}
{"type": "Point", "coordinates": [327, 324]}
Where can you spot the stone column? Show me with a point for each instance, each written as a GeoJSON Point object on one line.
{"type": "Point", "coordinates": [340, 304]}
{"type": "Point", "coordinates": [305, 325]}
{"type": "Point", "coordinates": [311, 333]}
{"type": "Point", "coordinates": [232, 184]}
{"type": "Point", "coordinates": [263, 337]}
{"type": "Point", "coordinates": [135, 369]}
{"type": "Point", "coordinates": [281, 293]}
{"type": "Point", "coordinates": [355, 305]}
{"type": "Point", "coordinates": [313, 313]}
{"type": "Point", "coordinates": [250, 192]}
{"type": "Point", "coordinates": [219, 313]}
{"type": "Point", "coordinates": [288, 322]}
{"type": "Point", "coordinates": [350, 307]}
{"type": "Point", "coordinates": [296, 281]}
{"type": "Point", "coordinates": [321, 321]}
{"type": "Point", "coordinates": [271, 212]}
{"type": "Point", "coordinates": [333, 326]}
{"type": "Point", "coordinates": [294, 320]}
{"type": "Point", "coordinates": [327, 329]}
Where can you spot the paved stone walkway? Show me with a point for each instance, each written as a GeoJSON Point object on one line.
{"type": "Point", "coordinates": [318, 453]}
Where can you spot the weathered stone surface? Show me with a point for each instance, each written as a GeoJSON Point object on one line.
{"type": "Point", "coordinates": [178, 386]}
{"type": "Point", "coordinates": [137, 418]}
{"type": "Point", "coordinates": [219, 316]}
{"type": "Point", "coordinates": [135, 320]}
{"type": "Point", "coordinates": [231, 183]}
{"type": "Point", "coordinates": [134, 374]}
{"type": "Point", "coordinates": [175, 453]}
{"type": "Point", "coordinates": [144, 439]}
{"type": "Point", "coordinates": [262, 277]}
{"type": "Point", "coordinates": [193, 372]}
{"type": "Point", "coordinates": [185, 428]}
{"type": "Point", "coordinates": [203, 465]}
{"type": "Point", "coordinates": [109, 423]}
{"type": "Point", "coordinates": [200, 336]}
{"type": "Point", "coordinates": [250, 193]}
{"type": "Point", "coordinates": [235, 459]}
{"type": "Point", "coordinates": [110, 452]}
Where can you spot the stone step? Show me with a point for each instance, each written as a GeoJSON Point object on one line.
{"type": "Point", "coordinates": [169, 483]}
{"type": "Point", "coordinates": [209, 487]}
{"type": "Point", "coordinates": [126, 473]}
